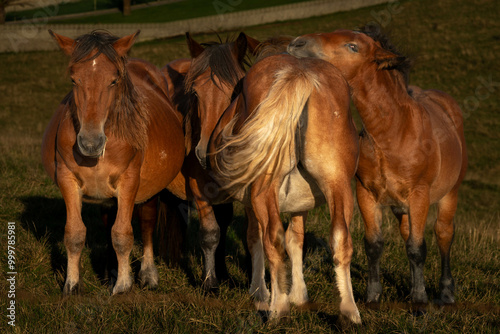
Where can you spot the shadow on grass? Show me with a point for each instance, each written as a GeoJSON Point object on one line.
{"type": "Point", "coordinates": [45, 217]}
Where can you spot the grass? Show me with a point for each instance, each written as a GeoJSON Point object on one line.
{"type": "Point", "coordinates": [185, 9]}
{"type": "Point", "coordinates": [60, 9]}
{"type": "Point", "coordinates": [455, 44]}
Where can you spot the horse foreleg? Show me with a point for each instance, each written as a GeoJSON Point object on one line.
{"type": "Point", "coordinates": [294, 248]}
{"type": "Point", "coordinates": [122, 235]}
{"type": "Point", "coordinates": [148, 275]}
{"type": "Point", "coordinates": [258, 288]}
{"type": "Point", "coordinates": [374, 241]}
{"type": "Point", "coordinates": [224, 216]}
{"type": "Point", "coordinates": [209, 239]}
{"type": "Point", "coordinates": [445, 230]}
{"type": "Point", "coordinates": [416, 248]}
{"type": "Point", "coordinates": [74, 231]}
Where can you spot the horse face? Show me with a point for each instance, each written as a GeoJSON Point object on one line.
{"type": "Point", "coordinates": [212, 101]}
{"type": "Point", "coordinates": [94, 88]}
{"type": "Point", "coordinates": [95, 81]}
{"type": "Point", "coordinates": [214, 94]}
{"type": "Point", "coordinates": [347, 50]}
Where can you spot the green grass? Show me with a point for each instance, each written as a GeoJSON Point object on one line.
{"type": "Point", "coordinates": [60, 9]}
{"type": "Point", "coordinates": [454, 44]}
{"type": "Point", "coordinates": [185, 9]}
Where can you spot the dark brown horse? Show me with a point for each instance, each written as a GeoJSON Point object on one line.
{"type": "Point", "coordinates": [115, 135]}
{"type": "Point", "coordinates": [413, 150]}
{"type": "Point", "coordinates": [274, 150]}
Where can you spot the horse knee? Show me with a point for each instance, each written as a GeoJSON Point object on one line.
{"type": "Point", "coordinates": [122, 242]}
{"type": "Point", "coordinates": [417, 252]}
{"type": "Point", "coordinates": [209, 238]}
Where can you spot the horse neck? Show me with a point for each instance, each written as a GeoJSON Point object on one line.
{"type": "Point", "coordinates": [382, 101]}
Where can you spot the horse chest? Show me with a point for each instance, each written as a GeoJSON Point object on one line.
{"type": "Point", "coordinates": [99, 182]}
{"type": "Point", "coordinates": [382, 179]}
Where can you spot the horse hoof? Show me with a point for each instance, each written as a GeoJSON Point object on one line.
{"type": "Point", "coordinates": [373, 293]}
{"type": "Point", "coordinates": [210, 284]}
{"type": "Point", "coordinates": [149, 278]}
{"type": "Point", "coordinates": [122, 287]}
{"type": "Point", "coordinates": [447, 297]}
{"type": "Point", "coordinates": [350, 311]}
{"type": "Point", "coordinates": [71, 289]}
{"type": "Point", "coordinates": [419, 298]}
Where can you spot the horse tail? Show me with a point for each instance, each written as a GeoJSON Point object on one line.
{"type": "Point", "coordinates": [171, 227]}
{"type": "Point", "coordinates": [267, 138]}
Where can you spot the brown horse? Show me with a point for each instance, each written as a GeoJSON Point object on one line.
{"type": "Point", "coordinates": [115, 135]}
{"type": "Point", "coordinates": [274, 150]}
{"type": "Point", "coordinates": [195, 183]}
{"type": "Point", "coordinates": [413, 150]}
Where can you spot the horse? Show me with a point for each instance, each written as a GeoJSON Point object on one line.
{"type": "Point", "coordinates": [195, 182]}
{"type": "Point", "coordinates": [413, 151]}
{"type": "Point", "coordinates": [274, 150]}
{"type": "Point", "coordinates": [115, 135]}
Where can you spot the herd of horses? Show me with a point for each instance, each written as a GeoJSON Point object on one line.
{"type": "Point", "coordinates": [277, 136]}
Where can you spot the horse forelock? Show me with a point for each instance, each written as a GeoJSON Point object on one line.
{"type": "Point", "coordinates": [375, 32]}
{"type": "Point", "coordinates": [219, 59]}
{"type": "Point", "coordinates": [128, 118]}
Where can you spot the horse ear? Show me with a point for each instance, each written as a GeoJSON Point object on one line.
{"type": "Point", "coordinates": [240, 46]}
{"type": "Point", "coordinates": [65, 43]}
{"type": "Point", "coordinates": [386, 59]}
{"type": "Point", "coordinates": [252, 44]}
{"type": "Point", "coordinates": [123, 45]}
{"type": "Point", "coordinates": [195, 49]}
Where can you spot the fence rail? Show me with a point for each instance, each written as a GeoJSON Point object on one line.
{"type": "Point", "coordinates": [34, 37]}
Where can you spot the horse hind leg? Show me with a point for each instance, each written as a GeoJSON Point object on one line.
{"type": "Point", "coordinates": [294, 247]}
{"type": "Point", "coordinates": [266, 210]}
{"type": "Point", "coordinates": [224, 216]}
{"type": "Point", "coordinates": [340, 203]}
{"type": "Point", "coordinates": [258, 288]}
{"type": "Point", "coordinates": [148, 275]}
{"type": "Point", "coordinates": [444, 230]}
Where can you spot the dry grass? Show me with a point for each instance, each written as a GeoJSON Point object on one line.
{"type": "Point", "coordinates": [456, 44]}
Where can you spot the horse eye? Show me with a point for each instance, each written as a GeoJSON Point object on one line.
{"type": "Point", "coordinates": [114, 82]}
{"type": "Point", "coordinates": [73, 82]}
{"type": "Point", "coordinates": [352, 47]}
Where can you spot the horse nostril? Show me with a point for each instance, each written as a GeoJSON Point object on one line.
{"type": "Point", "coordinates": [298, 43]}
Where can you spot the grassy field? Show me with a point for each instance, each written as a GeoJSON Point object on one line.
{"type": "Point", "coordinates": [456, 46]}
{"type": "Point", "coordinates": [185, 9]}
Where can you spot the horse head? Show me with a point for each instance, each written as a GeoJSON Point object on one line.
{"type": "Point", "coordinates": [98, 75]}
{"type": "Point", "coordinates": [352, 52]}
{"type": "Point", "coordinates": [215, 71]}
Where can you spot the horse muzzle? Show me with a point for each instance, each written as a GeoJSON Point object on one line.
{"type": "Point", "coordinates": [201, 155]}
{"type": "Point", "coordinates": [91, 146]}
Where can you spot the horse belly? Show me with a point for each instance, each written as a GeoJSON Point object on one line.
{"type": "Point", "coordinates": [299, 192]}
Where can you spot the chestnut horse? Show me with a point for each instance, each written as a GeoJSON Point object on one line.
{"type": "Point", "coordinates": [413, 150]}
{"type": "Point", "coordinates": [194, 182]}
{"type": "Point", "coordinates": [116, 135]}
{"type": "Point", "coordinates": [286, 144]}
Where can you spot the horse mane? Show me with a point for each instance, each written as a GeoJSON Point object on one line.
{"type": "Point", "coordinates": [128, 118]}
{"type": "Point", "coordinates": [218, 57]}
{"type": "Point", "coordinates": [272, 46]}
{"type": "Point", "coordinates": [404, 63]}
